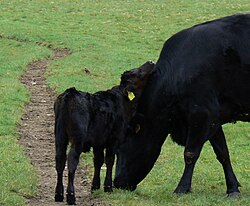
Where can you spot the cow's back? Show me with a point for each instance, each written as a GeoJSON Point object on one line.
{"type": "Point", "coordinates": [209, 48]}
{"type": "Point", "coordinates": [214, 54]}
{"type": "Point", "coordinates": [208, 64]}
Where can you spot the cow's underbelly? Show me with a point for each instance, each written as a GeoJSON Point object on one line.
{"type": "Point", "coordinates": [232, 111]}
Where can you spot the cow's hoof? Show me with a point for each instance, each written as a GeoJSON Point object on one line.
{"type": "Point", "coordinates": [108, 189]}
{"type": "Point", "coordinates": [71, 200]}
{"type": "Point", "coordinates": [182, 190]}
{"type": "Point", "coordinates": [234, 195]}
{"type": "Point", "coordinates": [59, 197]}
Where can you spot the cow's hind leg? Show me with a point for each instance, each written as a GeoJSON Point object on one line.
{"type": "Point", "coordinates": [73, 160]}
{"type": "Point", "coordinates": [98, 162]}
{"type": "Point", "coordinates": [109, 160]}
{"type": "Point", "coordinates": [61, 147]}
{"type": "Point", "coordinates": [219, 145]}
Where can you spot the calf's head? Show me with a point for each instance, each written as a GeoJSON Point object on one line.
{"type": "Point", "coordinates": [134, 81]}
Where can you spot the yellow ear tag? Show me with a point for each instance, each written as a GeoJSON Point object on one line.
{"type": "Point", "coordinates": [131, 95]}
{"type": "Point", "coordinates": [137, 128]}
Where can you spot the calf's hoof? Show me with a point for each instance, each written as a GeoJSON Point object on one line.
{"type": "Point", "coordinates": [233, 195]}
{"type": "Point", "coordinates": [108, 189]}
{"type": "Point", "coordinates": [58, 197]}
{"type": "Point", "coordinates": [71, 200]}
{"type": "Point", "coordinates": [94, 188]}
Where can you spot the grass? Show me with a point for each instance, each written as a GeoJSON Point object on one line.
{"type": "Point", "coordinates": [14, 57]}
{"type": "Point", "coordinates": [208, 182]}
{"type": "Point", "coordinates": [18, 178]}
{"type": "Point", "coordinates": [107, 38]}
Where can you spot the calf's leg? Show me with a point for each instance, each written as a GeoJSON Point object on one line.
{"type": "Point", "coordinates": [73, 160]}
{"type": "Point", "coordinates": [61, 147]}
{"type": "Point", "coordinates": [219, 145]}
{"type": "Point", "coordinates": [98, 162]}
{"type": "Point", "coordinates": [109, 160]}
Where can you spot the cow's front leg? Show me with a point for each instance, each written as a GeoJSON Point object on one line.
{"type": "Point", "coordinates": [220, 148]}
{"type": "Point", "coordinates": [98, 162]}
{"type": "Point", "coordinates": [190, 158]}
{"type": "Point", "coordinates": [199, 130]}
{"type": "Point", "coordinates": [109, 160]}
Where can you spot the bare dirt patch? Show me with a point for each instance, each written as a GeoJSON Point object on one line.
{"type": "Point", "coordinates": [37, 137]}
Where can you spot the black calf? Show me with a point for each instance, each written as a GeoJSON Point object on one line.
{"type": "Point", "coordinates": [97, 120]}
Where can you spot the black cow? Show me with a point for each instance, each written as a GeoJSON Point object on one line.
{"type": "Point", "coordinates": [200, 82]}
{"type": "Point", "coordinates": [97, 120]}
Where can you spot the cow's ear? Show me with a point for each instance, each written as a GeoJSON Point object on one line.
{"type": "Point", "coordinates": [136, 122]}
{"type": "Point", "coordinates": [137, 128]}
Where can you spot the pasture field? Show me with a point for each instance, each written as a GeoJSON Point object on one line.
{"type": "Point", "coordinates": [107, 37]}
{"type": "Point", "coordinates": [17, 176]}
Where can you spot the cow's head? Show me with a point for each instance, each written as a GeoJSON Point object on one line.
{"type": "Point", "coordinates": [138, 153]}
{"type": "Point", "coordinates": [134, 81]}
{"type": "Point", "coordinates": [136, 157]}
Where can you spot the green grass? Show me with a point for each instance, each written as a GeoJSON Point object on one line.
{"type": "Point", "coordinates": [14, 57]}
{"type": "Point", "coordinates": [208, 182]}
{"type": "Point", "coordinates": [18, 177]}
{"type": "Point", "coordinates": [108, 37]}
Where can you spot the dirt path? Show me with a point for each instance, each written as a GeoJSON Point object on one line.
{"type": "Point", "coordinates": [37, 137]}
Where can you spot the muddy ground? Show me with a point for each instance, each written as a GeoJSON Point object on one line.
{"type": "Point", "coordinates": [37, 137]}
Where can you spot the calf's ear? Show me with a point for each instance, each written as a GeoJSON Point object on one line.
{"type": "Point", "coordinates": [128, 92]}
{"type": "Point", "coordinates": [131, 95]}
